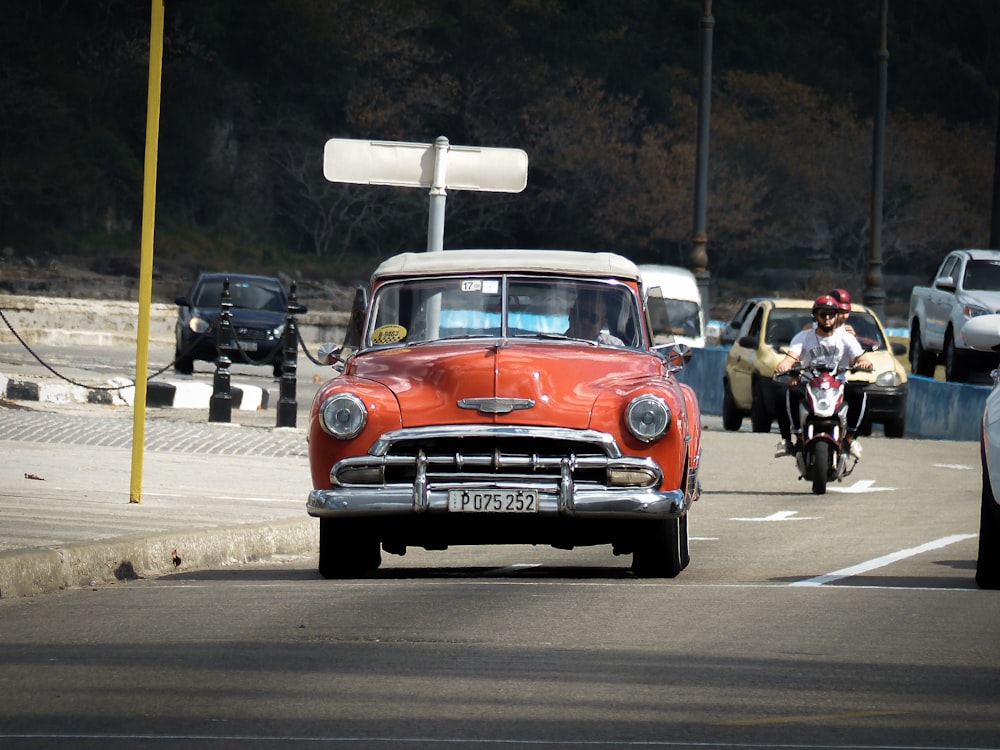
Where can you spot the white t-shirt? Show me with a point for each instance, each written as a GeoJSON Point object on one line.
{"type": "Point", "coordinates": [836, 350]}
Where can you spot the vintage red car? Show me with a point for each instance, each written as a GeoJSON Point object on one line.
{"type": "Point", "coordinates": [504, 397]}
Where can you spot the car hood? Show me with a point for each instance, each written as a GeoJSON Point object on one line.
{"type": "Point", "coordinates": [243, 317]}
{"type": "Point", "coordinates": [541, 383]}
{"type": "Point", "coordinates": [987, 299]}
{"type": "Point", "coordinates": [882, 361]}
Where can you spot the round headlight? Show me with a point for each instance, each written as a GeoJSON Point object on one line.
{"type": "Point", "coordinates": [198, 325]}
{"type": "Point", "coordinates": [888, 379]}
{"type": "Point", "coordinates": [648, 417]}
{"type": "Point", "coordinates": [343, 416]}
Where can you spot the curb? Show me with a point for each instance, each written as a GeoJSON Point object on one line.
{"type": "Point", "coordinates": [41, 571]}
{"type": "Point", "coordinates": [159, 393]}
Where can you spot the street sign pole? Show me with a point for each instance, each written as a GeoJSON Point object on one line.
{"type": "Point", "coordinates": [438, 167]}
{"type": "Point", "coordinates": [439, 196]}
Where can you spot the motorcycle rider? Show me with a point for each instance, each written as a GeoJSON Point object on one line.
{"type": "Point", "coordinates": [829, 344]}
{"type": "Point", "coordinates": [785, 446]}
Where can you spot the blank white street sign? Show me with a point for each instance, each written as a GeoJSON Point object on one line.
{"type": "Point", "coordinates": [501, 170]}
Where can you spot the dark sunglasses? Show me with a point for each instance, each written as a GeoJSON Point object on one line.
{"type": "Point", "coordinates": [827, 313]}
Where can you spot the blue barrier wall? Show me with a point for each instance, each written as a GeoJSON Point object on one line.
{"type": "Point", "coordinates": [704, 374]}
{"type": "Point", "coordinates": [944, 411]}
{"type": "Point", "coordinates": [934, 409]}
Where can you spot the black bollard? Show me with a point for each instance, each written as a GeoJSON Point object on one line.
{"type": "Point", "coordinates": [287, 405]}
{"type": "Point", "coordinates": [220, 408]}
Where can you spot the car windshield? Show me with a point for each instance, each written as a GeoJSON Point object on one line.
{"type": "Point", "coordinates": [782, 325]}
{"type": "Point", "coordinates": [866, 330]}
{"type": "Point", "coordinates": [683, 317]}
{"type": "Point", "coordinates": [245, 294]}
{"type": "Point", "coordinates": [416, 311]}
{"type": "Point", "coordinates": [982, 275]}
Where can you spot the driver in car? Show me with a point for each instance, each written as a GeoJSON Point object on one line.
{"type": "Point", "coordinates": [587, 319]}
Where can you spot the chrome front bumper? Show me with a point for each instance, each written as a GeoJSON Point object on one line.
{"type": "Point", "coordinates": [591, 479]}
{"type": "Point", "coordinates": [601, 502]}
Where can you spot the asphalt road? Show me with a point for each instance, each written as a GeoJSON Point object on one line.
{"type": "Point", "coordinates": [849, 620]}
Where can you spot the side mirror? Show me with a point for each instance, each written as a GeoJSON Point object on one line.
{"type": "Point", "coordinates": [674, 355]}
{"type": "Point", "coordinates": [181, 301]}
{"type": "Point", "coordinates": [898, 349]}
{"type": "Point", "coordinates": [749, 342]}
{"type": "Point", "coordinates": [297, 309]}
{"type": "Point", "coordinates": [945, 282]}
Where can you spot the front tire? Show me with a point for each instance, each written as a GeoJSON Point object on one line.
{"type": "Point", "coordinates": [922, 362]}
{"type": "Point", "coordinates": [346, 550]}
{"type": "Point", "coordinates": [183, 365]}
{"type": "Point", "coordinates": [661, 549]}
{"type": "Point", "coordinates": [956, 368]}
{"type": "Point", "coordinates": [732, 419]}
{"type": "Point", "coordinates": [988, 562]}
{"type": "Point", "coordinates": [895, 427]}
{"type": "Point", "coordinates": [821, 461]}
{"type": "Point", "coordinates": [760, 419]}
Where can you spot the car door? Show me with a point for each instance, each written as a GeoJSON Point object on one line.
{"type": "Point", "coordinates": [939, 302]}
{"type": "Point", "coordinates": [741, 358]}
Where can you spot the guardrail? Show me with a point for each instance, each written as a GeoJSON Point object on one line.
{"type": "Point", "coordinates": [935, 409]}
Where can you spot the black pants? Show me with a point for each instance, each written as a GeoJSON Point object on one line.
{"type": "Point", "coordinates": [854, 394]}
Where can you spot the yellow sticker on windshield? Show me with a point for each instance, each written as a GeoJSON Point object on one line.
{"type": "Point", "coordinates": [389, 334]}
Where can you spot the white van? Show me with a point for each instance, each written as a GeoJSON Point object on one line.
{"type": "Point", "coordinates": [680, 316]}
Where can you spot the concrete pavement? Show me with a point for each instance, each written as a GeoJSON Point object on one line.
{"type": "Point", "coordinates": [212, 494]}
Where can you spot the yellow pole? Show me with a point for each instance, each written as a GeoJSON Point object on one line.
{"type": "Point", "coordinates": [146, 259]}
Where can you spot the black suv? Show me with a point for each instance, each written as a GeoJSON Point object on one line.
{"type": "Point", "coordinates": [260, 305]}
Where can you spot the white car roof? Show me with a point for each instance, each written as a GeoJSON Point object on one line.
{"type": "Point", "coordinates": [671, 279]}
{"type": "Point", "coordinates": [980, 254]}
{"type": "Point", "coordinates": [570, 262]}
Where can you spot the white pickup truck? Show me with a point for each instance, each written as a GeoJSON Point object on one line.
{"type": "Point", "coordinates": [966, 285]}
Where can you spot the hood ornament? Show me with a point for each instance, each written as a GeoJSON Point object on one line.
{"type": "Point", "coordinates": [495, 404]}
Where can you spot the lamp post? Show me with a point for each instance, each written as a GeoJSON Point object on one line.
{"type": "Point", "coordinates": [699, 253]}
{"type": "Point", "coordinates": [874, 293]}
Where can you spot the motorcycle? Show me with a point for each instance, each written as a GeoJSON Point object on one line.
{"type": "Point", "coordinates": [822, 454]}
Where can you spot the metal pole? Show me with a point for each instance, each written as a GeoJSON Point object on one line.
{"type": "Point", "coordinates": [874, 293]}
{"type": "Point", "coordinates": [220, 405]}
{"type": "Point", "coordinates": [146, 249]}
{"type": "Point", "coordinates": [699, 254]}
{"type": "Point", "coordinates": [995, 208]}
{"type": "Point", "coordinates": [435, 223]}
{"type": "Point", "coordinates": [287, 403]}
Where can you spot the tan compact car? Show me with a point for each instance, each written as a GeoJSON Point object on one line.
{"type": "Point", "coordinates": [761, 344]}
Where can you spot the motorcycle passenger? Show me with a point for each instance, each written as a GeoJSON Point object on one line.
{"type": "Point", "coordinates": [843, 308]}
{"type": "Point", "coordinates": [829, 344]}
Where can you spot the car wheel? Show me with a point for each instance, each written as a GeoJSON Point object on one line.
{"type": "Point", "coordinates": [988, 563]}
{"type": "Point", "coordinates": [345, 551]}
{"type": "Point", "coordinates": [760, 419]}
{"type": "Point", "coordinates": [955, 368]}
{"type": "Point", "coordinates": [732, 420]}
{"type": "Point", "coordinates": [821, 461]}
{"type": "Point", "coordinates": [182, 365]}
{"type": "Point", "coordinates": [895, 427]}
{"type": "Point", "coordinates": [922, 362]}
{"type": "Point", "coordinates": [661, 549]}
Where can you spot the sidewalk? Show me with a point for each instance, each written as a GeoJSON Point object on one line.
{"type": "Point", "coordinates": [212, 494]}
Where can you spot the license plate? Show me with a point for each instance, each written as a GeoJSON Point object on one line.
{"type": "Point", "coordinates": [248, 346]}
{"type": "Point", "coordinates": [493, 501]}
